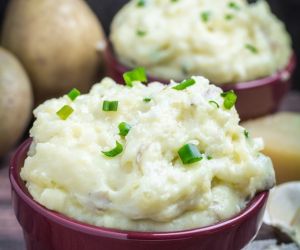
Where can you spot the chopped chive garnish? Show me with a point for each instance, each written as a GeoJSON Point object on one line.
{"type": "Point", "coordinates": [209, 157]}
{"type": "Point", "coordinates": [110, 106]}
{"type": "Point", "coordinates": [246, 133]}
{"type": "Point", "coordinates": [250, 47]}
{"type": "Point", "coordinates": [73, 94]}
{"type": "Point", "coordinates": [174, 1]}
{"type": "Point", "coordinates": [147, 99]}
{"type": "Point", "coordinates": [65, 112]}
{"type": "Point", "coordinates": [234, 6]}
{"type": "Point", "coordinates": [124, 128]}
{"type": "Point", "coordinates": [189, 153]}
{"type": "Point", "coordinates": [184, 84]}
{"type": "Point", "coordinates": [205, 15]}
{"type": "Point", "coordinates": [214, 103]}
{"type": "Point", "coordinates": [115, 151]}
{"type": "Point", "coordinates": [229, 16]}
{"type": "Point", "coordinates": [138, 74]}
{"type": "Point", "coordinates": [141, 32]}
{"type": "Point", "coordinates": [229, 99]}
{"type": "Point", "coordinates": [141, 3]}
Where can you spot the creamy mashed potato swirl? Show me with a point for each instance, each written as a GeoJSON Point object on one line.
{"type": "Point", "coordinates": [225, 41]}
{"type": "Point", "coordinates": [146, 187]}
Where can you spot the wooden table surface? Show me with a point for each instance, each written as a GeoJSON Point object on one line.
{"type": "Point", "coordinates": [10, 232]}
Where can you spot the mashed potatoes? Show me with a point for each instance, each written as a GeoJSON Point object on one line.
{"type": "Point", "coordinates": [146, 186]}
{"type": "Point", "coordinates": [225, 41]}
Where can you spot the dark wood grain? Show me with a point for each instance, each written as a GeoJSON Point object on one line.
{"type": "Point", "coordinates": [10, 232]}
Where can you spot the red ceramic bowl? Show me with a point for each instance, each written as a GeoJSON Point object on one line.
{"type": "Point", "coordinates": [47, 230]}
{"type": "Point", "coordinates": [255, 98]}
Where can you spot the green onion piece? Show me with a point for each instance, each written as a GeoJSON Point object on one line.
{"type": "Point", "coordinates": [174, 1]}
{"type": "Point", "coordinates": [209, 157]}
{"type": "Point", "coordinates": [229, 99]}
{"type": "Point", "coordinates": [234, 6]}
{"type": "Point", "coordinates": [214, 103]}
{"type": "Point", "coordinates": [73, 94]}
{"type": "Point", "coordinates": [138, 74]}
{"type": "Point", "coordinates": [115, 151]}
{"type": "Point", "coordinates": [205, 15]}
{"type": "Point", "coordinates": [110, 106]}
{"type": "Point", "coordinates": [246, 133]}
{"type": "Point", "coordinates": [189, 153]}
{"type": "Point", "coordinates": [65, 112]}
{"type": "Point", "coordinates": [229, 16]}
{"type": "Point", "coordinates": [250, 47]}
{"type": "Point", "coordinates": [141, 32]}
{"type": "Point", "coordinates": [124, 128]}
{"type": "Point", "coordinates": [141, 3]}
{"type": "Point", "coordinates": [184, 84]}
{"type": "Point", "coordinates": [147, 99]}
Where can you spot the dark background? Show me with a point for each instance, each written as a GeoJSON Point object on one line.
{"type": "Point", "coordinates": [287, 10]}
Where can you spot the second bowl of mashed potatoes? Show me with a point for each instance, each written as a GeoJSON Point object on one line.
{"type": "Point", "coordinates": [228, 42]}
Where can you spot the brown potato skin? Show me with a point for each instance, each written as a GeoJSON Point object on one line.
{"type": "Point", "coordinates": [56, 41]}
{"type": "Point", "coordinates": [16, 100]}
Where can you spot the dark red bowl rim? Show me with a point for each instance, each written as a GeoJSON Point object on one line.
{"type": "Point", "coordinates": [278, 75]}
{"type": "Point", "coordinates": [18, 186]}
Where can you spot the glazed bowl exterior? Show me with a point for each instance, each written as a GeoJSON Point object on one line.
{"type": "Point", "coordinates": [47, 230]}
{"type": "Point", "coordinates": [255, 98]}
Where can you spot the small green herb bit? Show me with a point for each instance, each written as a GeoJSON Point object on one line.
{"type": "Point", "coordinates": [141, 3]}
{"type": "Point", "coordinates": [229, 17]}
{"type": "Point", "coordinates": [138, 74]}
{"type": "Point", "coordinates": [184, 84]}
{"type": "Point", "coordinates": [250, 47]}
{"type": "Point", "coordinates": [246, 133]}
{"type": "Point", "coordinates": [110, 105]}
{"type": "Point", "coordinates": [229, 99]}
{"type": "Point", "coordinates": [205, 15]}
{"type": "Point", "coordinates": [65, 112]}
{"type": "Point", "coordinates": [189, 153]}
{"type": "Point", "coordinates": [174, 1]}
{"type": "Point", "coordinates": [141, 33]}
{"type": "Point", "coordinates": [209, 157]}
{"type": "Point", "coordinates": [118, 149]}
{"type": "Point", "coordinates": [124, 128]}
{"type": "Point", "coordinates": [214, 103]}
{"type": "Point", "coordinates": [147, 99]}
{"type": "Point", "coordinates": [73, 94]}
{"type": "Point", "coordinates": [234, 6]}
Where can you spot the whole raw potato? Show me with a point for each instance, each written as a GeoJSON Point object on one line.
{"type": "Point", "coordinates": [15, 101]}
{"type": "Point", "coordinates": [59, 42]}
